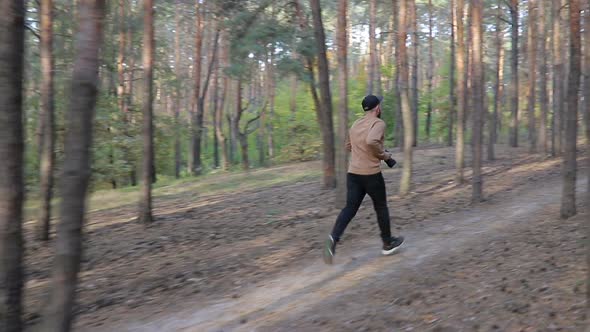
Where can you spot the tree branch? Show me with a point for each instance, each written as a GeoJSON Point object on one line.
{"type": "Point", "coordinates": [33, 31]}
{"type": "Point", "coordinates": [504, 20]}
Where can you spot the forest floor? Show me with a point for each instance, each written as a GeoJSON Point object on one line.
{"type": "Point", "coordinates": [248, 257]}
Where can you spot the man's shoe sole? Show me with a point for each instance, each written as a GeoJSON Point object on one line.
{"type": "Point", "coordinates": [391, 251]}
{"type": "Point", "coordinates": [328, 254]}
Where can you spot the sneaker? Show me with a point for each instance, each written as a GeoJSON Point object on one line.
{"type": "Point", "coordinates": [329, 250]}
{"type": "Point", "coordinates": [394, 244]}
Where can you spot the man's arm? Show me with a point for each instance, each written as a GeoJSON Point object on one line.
{"type": "Point", "coordinates": [374, 139]}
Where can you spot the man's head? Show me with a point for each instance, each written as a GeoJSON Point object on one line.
{"type": "Point", "coordinates": [372, 104]}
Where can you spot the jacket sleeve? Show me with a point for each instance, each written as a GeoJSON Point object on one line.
{"type": "Point", "coordinates": [375, 139]}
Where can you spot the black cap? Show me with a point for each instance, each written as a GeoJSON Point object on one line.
{"type": "Point", "coordinates": [370, 102]}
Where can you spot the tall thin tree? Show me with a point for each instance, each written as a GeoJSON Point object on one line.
{"type": "Point", "coordinates": [414, 69]}
{"type": "Point", "coordinates": [532, 73]}
{"type": "Point", "coordinates": [398, 129]}
{"type": "Point", "coordinates": [498, 84]}
{"type": "Point", "coordinates": [59, 312]}
{"type": "Point", "coordinates": [543, 98]}
{"type": "Point", "coordinates": [47, 120]}
{"type": "Point", "coordinates": [452, 81]}
{"type": "Point", "coordinates": [460, 57]}
{"type": "Point", "coordinates": [145, 203]}
{"type": "Point", "coordinates": [569, 169]}
{"type": "Point", "coordinates": [325, 113]}
{"type": "Point", "coordinates": [478, 97]}
{"type": "Point", "coordinates": [558, 74]}
{"type": "Point", "coordinates": [178, 90]}
{"type": "Point", "coordinates": [11, 164]}
{"type": "Point", "coordinates": [514, 72]}
{"type": "Point", "coordinates": [342, 47]}
{"type": "Point", "coordinates": [429, 72]}
{"type": "Point", "coordinates": [405, 98]}
{"type": "Point", "coordinates": [197, 116]}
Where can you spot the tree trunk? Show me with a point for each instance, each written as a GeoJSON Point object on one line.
{"type": "Point", "coordinates": [47, 120]}
{"type": "Point", "coordinates": [498, 84]}
{"type": "Point", "coordinates": [414, 70]}
{"type": "Point", "coordinates": [236, 124]}
{"type": "Point", "coordinates": [325, 113]}
{"type": "Point", "coordinates": [532, 58]}
{"type": "Point", "coordinates": [177, 96]}
{"type": "Point", "coordinates": [59, 312]}
{"type": "Point", "coordinates": [587, 121]}
{"type": "Point", "coordinates": [342, 46]}
{"type": "Point", "coordinates": [586, 89]}
{"type": "Point", "coordinates": [220, 110]}
{"type": "Point", "coordinates": [11, 165]}
{"type": "Point", "coordinates": [569, 169]}
{"type": "Point", "coordinates": [215, 105]}
{"type": "Point", "coordinates": [373, 70]}
{"type": "Point", "coordinates": [398, 130]}
{"type": "Point", "coordinates": [271, 102]}
{"type": "Point", "coordinates": [121, 58]}
{"type": "Point", "coordinates": [197, 117]}
{"type": "Point", "coordinates": [460, 57]}
{"type": "Point", "coordinates": [128, 93]}
{"type": "Point", "coordinates": [429, 72]}
{"type": "Point", "coordinates": [145, 205]}
{"type": "Point", "coordinates": [452, 96]}
{"type": "Point", "coordinates": [405, 100]}
{"type": "Point", "coordinates": [543, 98]}
{"type": "Point", "coordinates": [478, 98]}
{"type": "Point", "coordinates": [514, 71]}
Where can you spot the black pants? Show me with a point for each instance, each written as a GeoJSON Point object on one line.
{"type": "Point", "coordinates": [357, 187]}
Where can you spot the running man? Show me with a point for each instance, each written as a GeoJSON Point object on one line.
{"type": "Point", "coordinates": [364, 176]}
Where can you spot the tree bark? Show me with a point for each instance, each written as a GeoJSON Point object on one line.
{"type": "Point", "coordinates": [271, 102]}
{"type": "Point", "coordinates": [47, 120]}
{"type": "Point", "coordinates": [543, 98]}
{"type": "Point", "coordinates": [325, 113]}
{"type": "Point", "coordinates": [478, 98]}
{"type": "Point", "coordinates": [586, 110]}
{"type": "Point", "coordinates": [342, 46]}
{"type": "Point", "coordinates": [569, 169]}
{"type": "Point", "coordinates": [429, 72]}
{"type": "Point", "coordinates": [145, 204]}
{"type": "Point", "coordinates": [498, 85]}
{"type": "Point", "coordinates": [11, 164]}
{"type": "Point", "coordinates": [532, 71]}
{"type": "Point", "coordinates": [557, 93]}
{"type": "Point", "coordinates": [414, 70]}
{"type": "Point", "coordinates": [197, 116]}
{"type": "Point", "coordinates": [460, 57]}
{"type": "Point", "coordinates": [59, 313]}
{"type": "Point", "coordinates": [514, 71]}
{"type": "Point", "coordinates": [177, 95]}
{"type": "Point", "coordinates": [220, 110]}
{"type": "Point", "coordinates": [587, 121]}
{"type": "Point", "coordinates": [121, 58]}
{"type": "Point", "coordinates": [405, 99]}
{"type": "Point", "coordinates": [452, 95]}
{"type": "Point", "coordinates": [398, 130]}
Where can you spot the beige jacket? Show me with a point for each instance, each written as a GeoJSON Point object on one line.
{"type": "Point", "coordinates": [365, 141]}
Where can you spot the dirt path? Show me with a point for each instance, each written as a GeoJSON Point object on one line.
{"type": "Point", "coordinates": [311, 296]}
{"type": "Point", "coordinates": [219, 241]}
